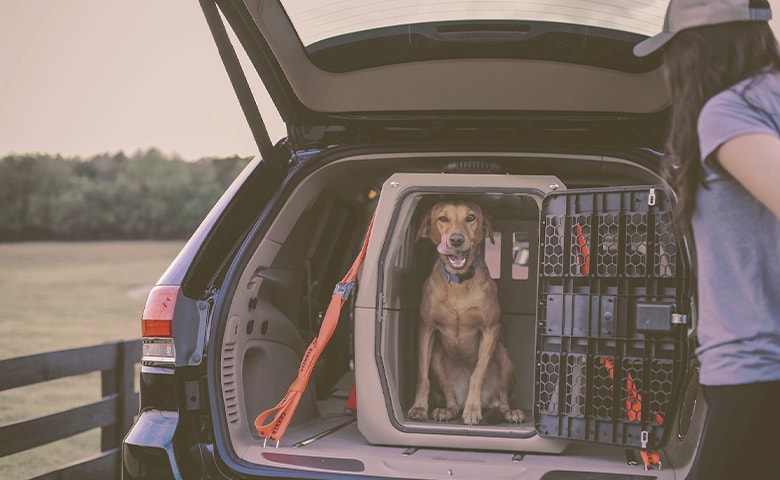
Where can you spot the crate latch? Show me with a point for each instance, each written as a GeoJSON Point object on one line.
{"type": "Point", "coordinates": [679, 319]}
{"type": "Point", "coordinates": [651, 197]}
{"type": "Point", "coordinates": [655, 317]}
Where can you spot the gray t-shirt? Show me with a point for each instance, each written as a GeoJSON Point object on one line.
{"type": "Point", "coordinates": [738, 247]}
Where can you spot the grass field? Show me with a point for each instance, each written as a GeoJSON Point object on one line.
{"type": "Point", "coordinates": [56, 296]}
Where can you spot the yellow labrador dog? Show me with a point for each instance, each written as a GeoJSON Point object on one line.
{"type": "Point", "coordinates": [459, 327]}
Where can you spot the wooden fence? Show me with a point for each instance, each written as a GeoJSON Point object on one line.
{"type": "Point", "coordinates": [113, 413]}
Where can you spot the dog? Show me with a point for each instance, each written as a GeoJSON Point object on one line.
{"type": "Point", "coordinates": [459, 322]}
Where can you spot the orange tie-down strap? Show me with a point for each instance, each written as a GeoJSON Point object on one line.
{"type": "Point", "coordinates": [633, 397]}
{"type": "Point", "coordinates": [634, 413]}
{"type": "Point", "coordinates": [285, 409]}
{"type": "Point", "coordinates": [583, 257]}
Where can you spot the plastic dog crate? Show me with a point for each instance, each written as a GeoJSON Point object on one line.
{"type": "Point", "coordinates": [591, 309]}
{"type": "Point", "coordinates": [612, 328]}
{"type": "Point", "coordinates": [388, 298]}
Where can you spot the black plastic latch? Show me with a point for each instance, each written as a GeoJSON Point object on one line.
{"type": "Point", "coordinates": [654, 317]}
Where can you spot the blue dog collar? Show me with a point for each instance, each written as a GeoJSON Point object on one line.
{"type": "Point", "coordinates": [460, 277]}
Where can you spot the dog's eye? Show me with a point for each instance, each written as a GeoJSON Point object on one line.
{"type": "Point", "coordinates": [471, 217]}
{"type": "Point", "coordinates": [444, 219]}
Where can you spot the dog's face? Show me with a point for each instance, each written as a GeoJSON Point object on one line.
{"type": "Point", "coordinates": [456, 228]}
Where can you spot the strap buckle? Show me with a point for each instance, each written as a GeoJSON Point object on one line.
{"type": "Point", "coordinates": [344, 289]}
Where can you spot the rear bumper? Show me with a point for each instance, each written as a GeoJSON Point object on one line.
{"type": "Point", "coordinates": [147, 451]}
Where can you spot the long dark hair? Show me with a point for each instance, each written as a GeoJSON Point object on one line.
{"type": "Point", "coordinates": [699, 63]}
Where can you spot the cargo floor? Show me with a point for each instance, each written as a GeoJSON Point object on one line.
{"type": "Point", "coordinates": [333, 444]}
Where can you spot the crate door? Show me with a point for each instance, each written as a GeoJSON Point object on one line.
{"type": "Point", "coordinates": [611, 329]}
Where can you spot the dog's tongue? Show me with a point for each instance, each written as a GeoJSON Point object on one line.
{"type": "Point", "coordinates": [444, 249]}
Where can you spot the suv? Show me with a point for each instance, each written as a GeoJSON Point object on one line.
{"type": "Point", "coordinates": [538, 113]}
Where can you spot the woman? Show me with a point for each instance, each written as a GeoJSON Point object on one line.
{"type": "Point", "coordinates": [722, 67]}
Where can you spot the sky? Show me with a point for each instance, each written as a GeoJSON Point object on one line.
{"type": "Point", "coordinates": [85, 77]}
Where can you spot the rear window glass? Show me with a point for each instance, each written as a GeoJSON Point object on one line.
{"type": "Point", "coordinates": [318, 20]}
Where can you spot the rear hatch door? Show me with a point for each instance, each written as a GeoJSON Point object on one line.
{"type": "Point", "coordinates": [337, 71]}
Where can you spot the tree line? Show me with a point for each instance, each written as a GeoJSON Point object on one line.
{"type": "Point", "coordinates": [109, 197]}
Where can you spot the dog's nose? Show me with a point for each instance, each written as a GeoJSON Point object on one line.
{"type": "Point", "coordinates": [456, 240]}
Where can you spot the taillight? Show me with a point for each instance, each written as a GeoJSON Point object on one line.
{"type": "Point", "coordinates": [157, 326]}
{"type": "Point", "coordinates": [157, 319]}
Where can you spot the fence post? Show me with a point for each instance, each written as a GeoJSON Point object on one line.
{"type": "Point", "coordinates": [131, 354]}
{"type": "Point", "coordinates": [119, 380]}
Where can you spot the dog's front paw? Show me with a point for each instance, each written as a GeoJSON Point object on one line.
{"type": "Point", "coordinates": [418, 412]}
{"type": "Point", "coordinates": [514, 416]}
{"type": "Point", "coordinates": [444, 414]}
{"type": "Point", "coordinates": [471, 415]}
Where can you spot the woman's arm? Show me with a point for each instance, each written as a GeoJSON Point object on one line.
{"type": "Point", "coordinates": [754, 160]}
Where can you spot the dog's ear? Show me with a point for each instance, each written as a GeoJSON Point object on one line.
{"type": "Point", "coordinates": [488, 227]}
{"type": "Point", "coordinates": [424, 230]}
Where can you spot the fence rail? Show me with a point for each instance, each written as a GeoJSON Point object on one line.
{"type": "Point", "coordinates": [113, 413]}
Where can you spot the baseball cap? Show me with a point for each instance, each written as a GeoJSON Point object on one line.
{"type": "Point", "coordinates": [684, 14]}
